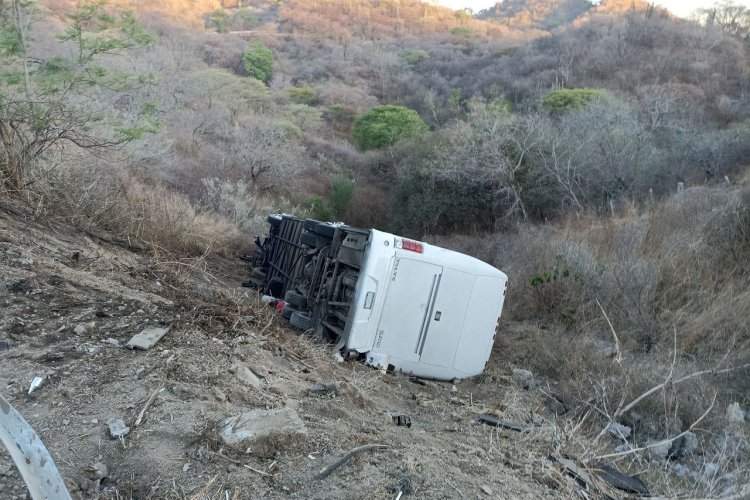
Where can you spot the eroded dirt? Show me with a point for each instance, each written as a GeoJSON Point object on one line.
{"type": "Point", "coordinates": [70, 301]}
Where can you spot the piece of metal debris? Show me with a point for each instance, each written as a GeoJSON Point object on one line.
{"type": "Point", "coordinates": [117, 428]}
{"type": "Point", "coordinates": [399, 418]}
{"type": "Point", "coordinates": [148, 337]}
{"type": "Point", "coordinates": [36, 382]}
{"type": "Point", "coordinates": [30, 455]}
{"type": "Point", "coordinates": [497, 422]}
{"type": "Point", "coordinates": [324, 390]}
{"type": "Point", "coordinates": [617, 479]}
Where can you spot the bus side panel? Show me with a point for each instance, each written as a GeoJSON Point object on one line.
{"type": "Point", "coordinates": [479, 328]}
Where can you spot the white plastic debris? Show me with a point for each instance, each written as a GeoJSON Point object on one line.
{"type": "Point", "coordinates": [36, 382]}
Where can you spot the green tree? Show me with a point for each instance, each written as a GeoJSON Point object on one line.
{"type": "Point", "coordinates": [220, 20]}
{"type": "Point", "coordinates": [48, 103]}
{"type": "Point", "coordinates": [562, 100]}
{"type": "Point", "coordinates": [258, 61]}
{"type": "Point", "coordinates": [341, 195]}
{"type": "Point", "coordinates": [386, 125]}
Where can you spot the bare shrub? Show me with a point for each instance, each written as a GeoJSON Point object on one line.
{"type": "Point", "coordinates": [138, 211]}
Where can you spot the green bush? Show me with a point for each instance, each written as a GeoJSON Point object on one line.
{"type": "Point", "coordinates": [258, 61]}
{"type": "Point", "coordinates": [386, 125]}
{"type": "Point", "coordinates": [462, 32]}
{"type": "Point", "coordinates": [319, 209]}
{"type": "Point", "coordinates": [341, 195]}
{"type": "Point", "coordinates": [562, 100]}
{"type": "Point", "coordinates": [414, 57]}
{"type": "Point", "coordinates": [244, 19]}
{"type": "Point", "coordinates": [220, 20]}
{"type": "Point", "coordinates": [303, 95]}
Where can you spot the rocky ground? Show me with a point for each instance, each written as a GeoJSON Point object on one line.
{"type": "Point", "coordinates": [229, 367]}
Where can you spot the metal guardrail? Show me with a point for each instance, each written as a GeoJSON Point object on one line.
{"type": "Point", "coordinates": [30, 455]}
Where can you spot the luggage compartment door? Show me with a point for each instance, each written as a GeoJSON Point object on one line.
{"type": "Point", "coordinates": [412, 289]}
{"type": "Point", "coordinates": [447, 318]}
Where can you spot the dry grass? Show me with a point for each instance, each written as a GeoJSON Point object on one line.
{"type": "Point", "coordinates": [673, 281]}
{"type": "Point", "coordinates": [141, 212]}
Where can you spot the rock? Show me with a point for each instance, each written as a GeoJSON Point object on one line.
{"type": "Point", "coordinates": [98, 471]}
{"type": "Point", "coordinates": [620, 431]}
{"type": "Point", "coordinates": [735, 413]}
{"type": "Point", "coordinates": [263, 431]}
{"type": "Point", "coordinates": [524, 378]}
{"type": "Point", "coordinates": [4, 345]}
{"type": "Point", "coordinates": [603, 348]}
{"type": "Point", "coordinates": [710, 470]}
{"type": "Point", "coordinates": [747, 416]}
{"type": "Point", "coordinates": [4, 469]}
{"type": "Point", "coordinates": [682, 471]}
{"type": "Point", "coordinates": [246, 374]}
{"type": "Point", "coordinates": [147, 338]}
{"type": "Point", "coordinates": [219, 394]}
{"type": "Point", "coordinates": [486, 489]}
{"type": "Point", "coordinates": [324, 390]}
{"type": "Point", "coordinates": [684, 446]}
{"type": "Point", "coordinates": [732, 440]}
{"type": "Point", "coordinates": [117, 428]}
{"type": "Point", "coordinates": [658, 451]}
{"type": "Point", "coordinates": [84, 328]}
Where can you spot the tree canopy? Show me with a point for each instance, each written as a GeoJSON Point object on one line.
{"type": "Point", "coordinates": [386, 125]}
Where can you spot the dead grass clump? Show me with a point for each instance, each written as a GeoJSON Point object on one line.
{"type": "Point", "coordinates": [139, 211]}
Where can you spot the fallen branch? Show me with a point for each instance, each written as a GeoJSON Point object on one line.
{"type": "Point", "coordinates": [258, 471]}
{"type": "Point", "coordinates": [665, 441]}
{"type": "Point", "coordinates": [338, 463]}
{"type": "Point", "coordinates": [142, 414]}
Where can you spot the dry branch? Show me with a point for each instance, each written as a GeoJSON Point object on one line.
{"type": "Point", "coordinates": [338, 463]}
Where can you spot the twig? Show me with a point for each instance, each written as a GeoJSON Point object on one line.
{"type": "Point", "coordinates": [678, 381]}
{"type": "Point", "coordinates": [457, 490]}
{"type": "Point", "coordinates": [618, 351]}
{"type": "Point", "coordinates": [665, 441]}
{"type": "Point", "coordinates": [139, 420]}
{"type": "Point", "coordinates": [338, 463]}
{"type": "Point", "coordinates": [258, 471]}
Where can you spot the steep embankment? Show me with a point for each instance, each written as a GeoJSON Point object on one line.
{"type": "Point", "coordinates": [71, 300]}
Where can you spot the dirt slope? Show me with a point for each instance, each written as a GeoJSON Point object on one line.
{"type": "Point", "coordinates": [54, 280]}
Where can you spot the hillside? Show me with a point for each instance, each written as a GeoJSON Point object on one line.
{"type": "Point", "coordinates": [601, 161]}
{"type": "Point", "coordinates": [554, 14]}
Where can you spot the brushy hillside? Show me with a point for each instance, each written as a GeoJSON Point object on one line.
{"type": "Point", "coordinates": [603, 166]}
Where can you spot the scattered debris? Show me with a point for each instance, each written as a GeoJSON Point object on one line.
{"type": "Point", "coordinates": [36, 382]}
{"type": "Point", "coordinates": [30, 455]}
{"type": "Point", "coordinates": [148, 337]}
{"type": "Point", "coordinates": [117, 428]}
{"type": "Point", "coordinates": [486, 489]}
{"type": "Point", "coordinates": [112, 341]}
{"type": "Point", "coordinates": [4, 345]}
{"type": "Point", "coordinates": [338, 463]}
{"type": "Point", "coordinates": [415, 380]}
{"type": "Point", "coordinates": [615, 478]}
{"type": "Point", "coordinates": [324, 390]}
{"type": "Point", "coordinates": [497, 422]}
{"type": "Point", "coordinates": [399, 418]}
{"type": "Point", "coordinates": [250, 427]}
